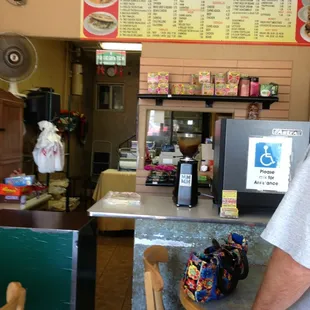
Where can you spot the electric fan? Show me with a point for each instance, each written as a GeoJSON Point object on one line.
{"type": "Point", "coordinates": [18, 60]}
{"type": "Point", "coordinates": [17, 2]}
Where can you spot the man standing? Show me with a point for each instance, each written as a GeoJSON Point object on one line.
{"type": "Point", "coordinates": [287, 279]}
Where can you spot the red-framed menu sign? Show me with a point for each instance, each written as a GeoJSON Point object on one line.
{"type": "Point", "coordinates": [278, 22]}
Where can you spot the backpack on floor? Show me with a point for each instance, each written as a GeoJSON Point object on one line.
{"type": "Point", "coordinates": [215, 273]}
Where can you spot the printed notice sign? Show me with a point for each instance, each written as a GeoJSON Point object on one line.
{"type": "Point", "coordinates": [186, 180]}
{"type": "Point", "coordinates": [269, 163]}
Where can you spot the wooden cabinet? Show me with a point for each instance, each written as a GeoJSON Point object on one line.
{"type": "Point", "coordinates": [11, 133]}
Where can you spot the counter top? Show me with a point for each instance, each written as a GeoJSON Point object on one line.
{"type": "Point", "coordinates": [163, 208]}
{"type": "Point", "coordinates": [43, 220]}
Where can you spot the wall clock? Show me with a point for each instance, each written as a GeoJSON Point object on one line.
{"type": "Point", "coordinates": [111, 72]}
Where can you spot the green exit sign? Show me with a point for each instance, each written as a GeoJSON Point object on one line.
{"type": "Point", "coordinates": [110, 58]}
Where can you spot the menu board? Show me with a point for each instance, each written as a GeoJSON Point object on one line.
{"type": "Point", "coordinates": [284, 22]}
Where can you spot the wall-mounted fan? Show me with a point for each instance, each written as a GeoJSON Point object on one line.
{"type": "Point", "coordinates": [18, 2]}
{"type": "Point", "coordinates": [18, 60]}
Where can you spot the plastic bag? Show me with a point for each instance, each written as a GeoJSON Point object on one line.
{"type": "Point", "coordinates": [48, 153]}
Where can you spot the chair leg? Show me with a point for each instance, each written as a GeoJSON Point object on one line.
{"type": "Point", "coordinates": [149, 295]}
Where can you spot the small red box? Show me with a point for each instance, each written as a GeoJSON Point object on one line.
{"type": "Point", "coordinates": [10, 190]}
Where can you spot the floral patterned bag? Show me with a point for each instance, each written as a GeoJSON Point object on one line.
{"type": "Point", "coordinates": [215, 273]}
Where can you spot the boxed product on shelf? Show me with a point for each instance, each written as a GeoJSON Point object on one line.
{"type": "Point", "coordinates": [163, 77]}
{"type": "Point", "coordinates": [152, 88]}
{"type": "Point", "coordinates": [232, 77]}
{"type": "Point", "coordinates": [20, 180]}
{"type": "Point", "coordinates": [220, 89]}
{"type": "Point", "coordinates": [231, 90]}
{"type": "Point", "coordinates": [274, 89]}
{"type": "Point", "coordinates": [194, 79]}
{"type": "Point", "coordinates": [269, 90]}
{"type": "Point", "coordinates": [197, 89]}
{"type": "Point", "coordinates": [207, 89]}
{"type": "Point", "coordinates": [163, 89]}
{"type": "Point", "coordinates": [188, 89]}
{"type": "Point", "coordinates": [219, 78]}
{"type": "Point", "coordinates": [204, 77]}
{"type": "Point", "coordinates": [176, 89]}
{"type": "Point", "coordinates": [152, 77]}
{"type": "Point", "coordinates": [11, 190]}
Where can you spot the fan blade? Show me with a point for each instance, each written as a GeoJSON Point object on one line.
{"type": "Point", "coordinates": [25, 57]}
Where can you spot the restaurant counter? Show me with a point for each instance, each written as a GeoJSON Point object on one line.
{"type": "Point", "coordinates": [182, 230]}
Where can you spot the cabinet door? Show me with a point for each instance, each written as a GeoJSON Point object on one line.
{"type": "Point", "coordinates": [11, 131]}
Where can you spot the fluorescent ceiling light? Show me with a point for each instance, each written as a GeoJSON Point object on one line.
{"type": "Point", "coordinates": [121, 46]}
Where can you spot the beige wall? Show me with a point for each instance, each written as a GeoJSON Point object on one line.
{"type": "Point", "coordinates": [116, 127]}
{"type": "Point", "coordinates": [299, 107]}
{"type": "Point", "coordinates": [51, 71]}
{"type": "Point", "coordinates": [42, 18]}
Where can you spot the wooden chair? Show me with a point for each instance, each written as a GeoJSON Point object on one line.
{"type": "Point", "coordinates": [15, 297]}
{"type": "Point", "coordinates": [154, 282]}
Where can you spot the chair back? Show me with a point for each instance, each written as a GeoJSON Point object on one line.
{"type": "Point", "coordinates": [15, 297]}
{"type": "Point", "coordinates": [153, 280]}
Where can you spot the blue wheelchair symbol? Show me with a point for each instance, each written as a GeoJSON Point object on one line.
{"type": "Point", "coordinates": [267, 155]}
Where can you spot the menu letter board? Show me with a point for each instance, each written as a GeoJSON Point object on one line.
{"type": "Point", "coordinates": [277, 22]}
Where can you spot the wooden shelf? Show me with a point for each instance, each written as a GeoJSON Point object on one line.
{"type": "Point", "coordinates": [209, 100]}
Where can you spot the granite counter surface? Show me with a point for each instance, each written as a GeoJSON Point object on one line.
{"type": "Point", "coordinates": [163, 208]}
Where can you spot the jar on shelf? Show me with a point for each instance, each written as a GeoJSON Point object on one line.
{"type": "Point", "coordinates": [244, 87]}
{"type": "Point", "coordinates": [254, 86]}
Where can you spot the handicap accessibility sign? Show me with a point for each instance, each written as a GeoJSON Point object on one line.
{"type": "Point", "coordinates": [267, 155]}
{"type": "Point", "coordinates": [269, 163]}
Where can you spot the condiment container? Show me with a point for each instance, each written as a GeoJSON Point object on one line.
{"type": "Point", "coordinates": [254, 87]}
{"type": "Point", "coordinates": [244, 87]}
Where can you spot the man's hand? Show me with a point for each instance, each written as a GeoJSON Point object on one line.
{"type": "Point", "coordinates": [284, 283]}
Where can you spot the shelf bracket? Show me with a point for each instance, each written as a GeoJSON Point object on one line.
{"type": "Point", "coordinates": [159, 101]}
{"type": "Point", "coordinates": [266, 105]}
{"type": "Point", "coordinates": [209, 103]}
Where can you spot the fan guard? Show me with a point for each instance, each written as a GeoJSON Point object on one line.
{"type": "Point", "coordinates": [18, 2]}
{"type": "Point", "coordinates": [18, 58]}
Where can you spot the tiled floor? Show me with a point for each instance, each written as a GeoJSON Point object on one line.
{"type": "Point", "coordinates": [114, 273]}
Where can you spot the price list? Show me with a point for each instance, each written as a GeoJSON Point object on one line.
{"type": "Point", "coordinates": [207, 20]}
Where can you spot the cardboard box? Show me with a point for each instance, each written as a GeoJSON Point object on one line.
{"type": "Point", "coordinates": [207, 89]}
{"type": "Point", "coordinates": [194, 79]}
{"type": "Point", "coordinates": [163, 77]}
{"type": "Point", "coordinates": [197, 89]}
{"type": "Point", "coordinates": [220, 89]}
{"type": "Point", "coordinates": [163, 89]}
{"type": "Point", "coordinates": [219, 78]}
{"type": "Point", "coordinates": [231, 90]}
{"type": "Point", "coordinates": [188, 89]}
{"type": "Point", "coordinates": [232, 77]}
{"type": "Point", "coordinates": [10, 190]}
{"type": "Point", "coordinates": [177, 89]}
{"type": "Point", "coordinates": [152, 88]}
{"type": "Point", "coordinates": [204, 77]}
{"type": "Point", "coordinates": [152, 78]}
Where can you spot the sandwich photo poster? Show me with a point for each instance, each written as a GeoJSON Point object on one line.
{"type": "Point", "coordinates": [100, 19]}
{"type": "Point", "coordinates": [284, 23]}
